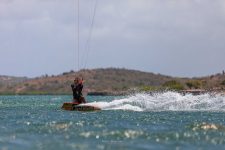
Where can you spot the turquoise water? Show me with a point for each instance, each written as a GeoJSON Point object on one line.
{"type": "Point", "coordinates": [141, 121]}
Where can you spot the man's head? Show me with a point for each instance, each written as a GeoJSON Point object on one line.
{"type": "Point", "coordinates": [76, 80]}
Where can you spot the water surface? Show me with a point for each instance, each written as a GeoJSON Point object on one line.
{"type": "Point", "coordinates": [142, 121]}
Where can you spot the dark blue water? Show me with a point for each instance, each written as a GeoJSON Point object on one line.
{"type": "Point", "coordinates": [136, 122]}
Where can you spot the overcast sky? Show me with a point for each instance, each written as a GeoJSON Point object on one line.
{"type": "Point", "coordinates": [172, 37]}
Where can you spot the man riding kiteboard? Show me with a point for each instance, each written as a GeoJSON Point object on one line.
{"type": "Point", "coordinates": [77, 88]}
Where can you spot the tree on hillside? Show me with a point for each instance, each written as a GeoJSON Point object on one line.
{"type": "Point", "coordinates": [194, 84]}
{"type": "Point", "coordinates": [223, 82]}
{"type": "Point", "coordinates": [173, 85]}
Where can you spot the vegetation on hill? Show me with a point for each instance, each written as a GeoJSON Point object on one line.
{"type": "Point", "coordinates": [223, 82]}
{"type": "Point", "coordinates": [11, 80]}
{"type": "Point", "coordinates": [8, 82]}
{"type": "Point", "coordinates": [173, 85]}
{"type": "Point", "coordinates": [107, 81]}
{"type": "Point", "coordinates": [194, 84]}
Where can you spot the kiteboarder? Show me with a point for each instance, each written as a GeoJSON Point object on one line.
{"type": "Point", "coordinates": [77, 88]}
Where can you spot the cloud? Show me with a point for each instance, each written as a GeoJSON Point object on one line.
{"type": "Point", "coordinates": [182, 38]}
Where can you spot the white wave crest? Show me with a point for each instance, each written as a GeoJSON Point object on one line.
{"type": "Point", "coordinates": [168, 101]}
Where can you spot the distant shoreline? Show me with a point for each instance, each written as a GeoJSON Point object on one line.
{"type": "Point", "coordinates": [194, 92]}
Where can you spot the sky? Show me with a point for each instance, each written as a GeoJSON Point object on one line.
{"type": "Point", "coordinates": [184, 38]}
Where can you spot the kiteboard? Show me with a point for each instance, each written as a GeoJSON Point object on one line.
{"type": "Point", "coordinates": [79, 107]}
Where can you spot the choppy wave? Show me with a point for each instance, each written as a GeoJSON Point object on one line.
{"type": "Point", "coordinates": [168, 101]}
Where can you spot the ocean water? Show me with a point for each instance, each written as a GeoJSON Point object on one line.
{"type": "Point", "coordinates": [142, 121]}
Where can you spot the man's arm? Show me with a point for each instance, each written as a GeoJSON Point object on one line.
{"type": "Point", "coordinates": [72, 86]}
{"type": "Point", "coordinates": [80, 89]}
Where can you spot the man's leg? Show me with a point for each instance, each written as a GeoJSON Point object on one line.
{"type": "Point", "coordinates": [82, 99]}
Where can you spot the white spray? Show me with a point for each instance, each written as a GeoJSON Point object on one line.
{"type": "Point", "coordinates": [168, 101]}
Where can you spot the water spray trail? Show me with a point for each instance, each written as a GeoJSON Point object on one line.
{"type": "Point", "coordinates": [168, 101]}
